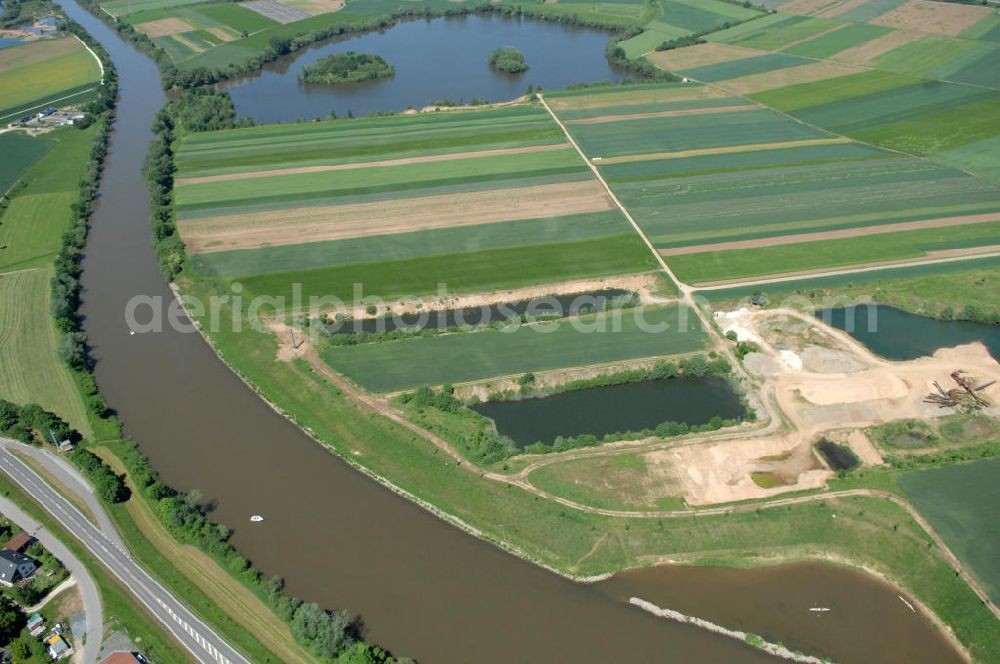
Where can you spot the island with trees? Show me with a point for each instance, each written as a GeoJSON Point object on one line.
{"type": "Point", "coordinates": [348, 67]}
{"type": "Point", "coordinates": [508, 59]}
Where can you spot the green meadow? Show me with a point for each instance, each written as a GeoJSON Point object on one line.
{"type": "Point", "coordinates": [39, 73]}
{"type": "Point", "coordinates": [396, 365]}
{"type": "Point", "coordinates": [30, 236]}
{"type": "Point", "coordinates": [19, 152]}
{"type": "Point", "coordinates": [958, 501]}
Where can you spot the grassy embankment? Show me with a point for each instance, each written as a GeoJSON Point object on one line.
{"type": "Point", "coordinates": [868, 531]}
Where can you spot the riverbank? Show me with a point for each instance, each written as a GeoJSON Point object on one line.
{"type": "Point", "coordinates": [224, 427]}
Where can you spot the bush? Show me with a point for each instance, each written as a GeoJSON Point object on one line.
{"type": "Point", "coordinates": [110, 487]}
{"type": "Point", "coordinates": [508, 59]}
{"type": "Point", "coordinates": [347, 67]}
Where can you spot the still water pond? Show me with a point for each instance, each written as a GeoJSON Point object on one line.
{"type": "Point", "coordinates": [442, 58]}
{"type": "Point", "coordinates": [604, 410]}
{"type": "Point", "coordinates": [897, 335]}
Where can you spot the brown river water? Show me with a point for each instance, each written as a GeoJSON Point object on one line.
{"type": "Point", "coordinates": [422, 587]}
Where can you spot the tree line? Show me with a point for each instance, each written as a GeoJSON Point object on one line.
{"type": "Point", "coordinates": [330, 635]}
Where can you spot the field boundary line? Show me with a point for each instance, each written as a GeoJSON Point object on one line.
{"type": "Point", "coordinates": [402, 161]}
{"type": "Point", "coordinates": [832, 273]}
{"type": "Point", "coordinates": [837, 234]}
{"type": "Point", "coordinates": [684, 288]}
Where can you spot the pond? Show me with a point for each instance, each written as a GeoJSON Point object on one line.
{"type": "Point", "coordinates": [540, 307]}
{"type": "Point", "coordinates": [611, 409]}
{"type": "Point", "coordinates": [435, 59]}
{"type": "Point", "coordinates": [838, 457]}
{"type": "Point", "coordinates": [898, 335]}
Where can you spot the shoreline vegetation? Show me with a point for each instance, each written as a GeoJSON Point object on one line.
{"type": "Point", "coordinates": [508, 60]}
{"type": "Point", "coordinates": [347, 67]}
{"type": "Point", "coordinates": [291, 40]}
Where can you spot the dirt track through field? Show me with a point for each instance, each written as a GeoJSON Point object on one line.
{"type": "Point", "coordinates": [180, 182]}
{"type": "Point", "coordinates": [728, 149]}
{"type": "Point", "coordinates": [337, 222]}
{"type": "Point", "coordinates": [833, 235]}
{"type": "Point", "coordinates": [601, 119]}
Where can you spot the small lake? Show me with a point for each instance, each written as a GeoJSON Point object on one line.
{"type": "Point", "coordinates": [604, 410]}
{"type": "Point", "coordinates": [441, 58]}
{"type": "Point", "coordinates": [898, 335]}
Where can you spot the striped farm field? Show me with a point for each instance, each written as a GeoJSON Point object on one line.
{"type": "Point", "coordinates": [465, 272]}
{"type": "Point", "coordinates": [628, 95]}
{"type": "Point", "coordinates": [473, 210]}
{"type": "Point", "coordinates": [338, 142]}
{"type": "Point", "coordinates": [778, 200]}
{"type": "Point", "coordinates": [777, 34]}
{"type": "Point", "coordinates": [689, 132]}
{"type": "Point", "coordinates": [715, 266]}
{"type": "Point", "coordinates": [402, 246]}
{"type": "Point", "coordinates": [398, 365]}
{"type": "Point", "coordinates": [837, 41]}
{"type": "Point", "coordinates": [299, 187]}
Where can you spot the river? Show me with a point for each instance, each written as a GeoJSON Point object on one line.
{"type": "Point", "coordinates": [423, 588]}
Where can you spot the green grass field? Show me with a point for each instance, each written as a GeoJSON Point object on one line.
{"type": "Point", "coordinates": [30, 234]}
{"type": "Point", "coordinates": [30, 371]}
{"type": "Point", "coordinates": [396, 365]}
{"type": "Point", "coordinates": [19, 152]}
{"type": "Point", "coordinates": [40, 73]}
{"type": "Point", "coordinates": [958, 502]}
{"type": "Point", "coordinates": [510, 267]}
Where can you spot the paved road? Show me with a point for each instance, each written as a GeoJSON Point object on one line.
{"type": "Point", "coordinates": [71, 478]}
{"type": "Point", "coordinates": [91, 598]}
{"type": "Point", "coordinates": [199, 639]}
